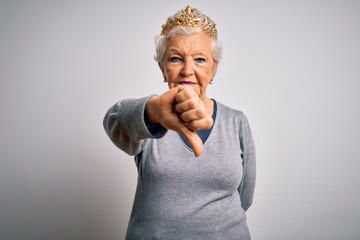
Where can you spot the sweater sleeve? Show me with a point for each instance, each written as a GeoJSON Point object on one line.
{"type": "Point", "coordinates": [126, 126]}
{"type": "Point", "coordinates": [247, 185]}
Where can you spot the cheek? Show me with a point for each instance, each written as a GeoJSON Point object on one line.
{"type": "Point", "coordinates": [206, 76]}
{"type": "Point", "coordinates": [170, 74]}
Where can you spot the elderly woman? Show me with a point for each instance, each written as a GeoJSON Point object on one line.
{"type": "Point", "coordinates": [195, 156]}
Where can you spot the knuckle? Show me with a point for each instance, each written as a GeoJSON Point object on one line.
{"type": "Point", "coordinates": [193, 103]}
{"type": "Point", "coordinates": [200, 113]}
{"type": "Point", "coordinates": [184, 117]}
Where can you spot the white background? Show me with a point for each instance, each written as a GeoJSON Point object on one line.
{"type": "Point", "coordinates": [293, 67]}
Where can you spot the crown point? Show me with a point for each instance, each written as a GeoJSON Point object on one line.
{"type": "Point", "coordinates": [190, 19]}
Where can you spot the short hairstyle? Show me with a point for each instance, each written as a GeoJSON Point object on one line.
{"type": "Point", "coordinates": [161, 41]}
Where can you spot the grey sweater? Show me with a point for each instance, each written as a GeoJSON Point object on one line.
{"type": "Point", "coordinates": [178, 195]}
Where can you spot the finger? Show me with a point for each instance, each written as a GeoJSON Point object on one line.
{"type": "Point", "coordinates": [191, 103]}
{"type": "Point", "coordinates": [194, 114]}
{"type": "Point", "coordinates": [201, 124]}
{"type": "Point", "coordinates": [165, 103]}
{"type": "Point", "coordinates": [169, 96]}
{"type": "Point", "coordinates": [194, 140]}
{"type": "Point", "coordinates": [184, 93]}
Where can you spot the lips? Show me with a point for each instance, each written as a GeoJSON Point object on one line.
{"type": "Point", "coordinates": [189, 83]}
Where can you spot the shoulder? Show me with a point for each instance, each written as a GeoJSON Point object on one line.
{"type": "Point", "coordinates": [228, 112]}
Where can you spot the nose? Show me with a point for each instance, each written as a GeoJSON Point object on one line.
{"type": "Point", "coordinates": [187, 68]}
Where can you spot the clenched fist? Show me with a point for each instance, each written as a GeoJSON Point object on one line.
{"type": "Point", "coordinates": [180, 109]}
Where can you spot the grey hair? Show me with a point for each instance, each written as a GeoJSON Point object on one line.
{"type": "Point", "coordinates": [161, 42]}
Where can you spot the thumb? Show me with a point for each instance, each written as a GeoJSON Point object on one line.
{"type": "Point", "coordinates": [194, 140]}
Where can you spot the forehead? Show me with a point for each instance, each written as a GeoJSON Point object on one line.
{"type": "Point", "coordinates": [194, 43]}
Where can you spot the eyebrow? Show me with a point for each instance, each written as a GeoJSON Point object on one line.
{"type": "Point", "coordinates": [174, 51]}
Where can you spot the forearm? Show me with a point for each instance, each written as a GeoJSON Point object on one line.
{"type": "Point", "coordinates": [125, 125]}
{"type": "Point", "coordinates": [248, 182]}
{"type": "Point", "coordinates": [247, 186]}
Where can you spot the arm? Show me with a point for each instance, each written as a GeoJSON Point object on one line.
{"type": "Point", "coordinates": [247, 185]}
{"type": "Point", "coordinates": [129, 122]}
{"type": "Point", "coordinates": [125, 125]}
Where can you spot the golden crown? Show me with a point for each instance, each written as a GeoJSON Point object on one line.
{"type": "Point", "coordinates": [188, 19]}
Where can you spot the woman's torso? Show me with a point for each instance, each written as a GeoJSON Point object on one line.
{"type": "Point", "coordinates": [180, 196]}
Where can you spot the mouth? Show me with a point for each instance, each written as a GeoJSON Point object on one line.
{"type": "Point", "coordinates": [187, 83]}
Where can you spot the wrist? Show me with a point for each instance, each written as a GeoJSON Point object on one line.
{"type": "Point", "coordinates": [151, 109]}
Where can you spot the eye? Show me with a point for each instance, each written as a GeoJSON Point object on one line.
{"type": "Point", "coordinates": [200, 60]}
{"type": "Point", "coordinates": [175, 59]}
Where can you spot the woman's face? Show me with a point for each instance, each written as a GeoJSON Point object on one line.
{"type": "Point", "coordinates": [188, 61]}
